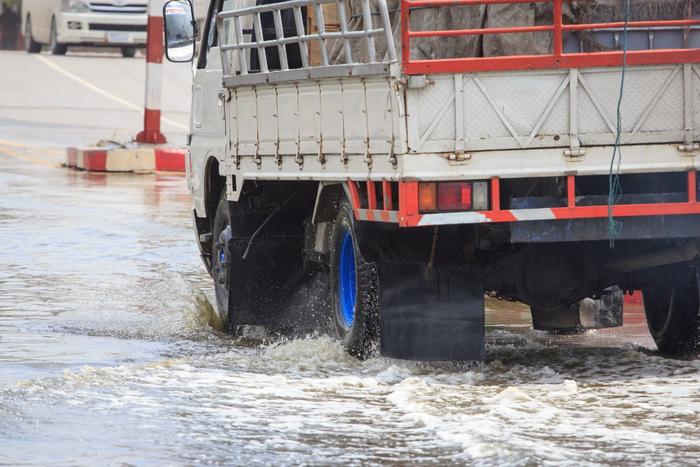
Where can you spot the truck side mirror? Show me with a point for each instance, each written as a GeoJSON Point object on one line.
{"type": "Point", "coordinates": [179, 31]}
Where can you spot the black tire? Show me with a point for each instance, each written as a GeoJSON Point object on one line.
{"type": "Point", "coordinates": [30, 45]}
{"type": "Point", "coordinates": [672, 310]}
{"type": "Point", "coordinates": [55, 47]}
{"type": "Point", "coordinates": [358, 335]}
{"type": "Point", "coordinates": [221, 264]}
{"type": "Point", "coordinates": [128, 52]}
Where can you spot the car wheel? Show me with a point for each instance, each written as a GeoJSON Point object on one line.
{"type": "Point", "coordinates": [55, 47]}
{"type": "Point", "coordinates": [30, 45]}
{"type": "Point", "coordinates": [128, 52]}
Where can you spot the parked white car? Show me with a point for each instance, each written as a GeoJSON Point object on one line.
{"type": "Point", "coordinates": [63, 23]}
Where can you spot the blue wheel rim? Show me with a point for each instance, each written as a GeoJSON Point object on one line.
{"type": "Point", "coordinates": [347, 290]}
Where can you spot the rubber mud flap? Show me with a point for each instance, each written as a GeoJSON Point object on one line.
{"type": "Point", "coordinates": [604, 312]}
{"type": "Point", "coordinates": [441, 319]}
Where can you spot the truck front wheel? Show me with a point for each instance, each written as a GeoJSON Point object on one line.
{"type": "Point", "coordinates": [221, 259]}
{"type": "Point", "coordinates": [672, 310]}
{"type": "Point", "coordinates": [354, 288]}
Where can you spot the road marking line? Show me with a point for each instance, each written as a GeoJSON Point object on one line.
{"type": "Point", "coordinates": [28, 146]}
{"type": "Point", "coordinates": [101, 91]}
{"type": "Point", "coordinates": [16, 155]}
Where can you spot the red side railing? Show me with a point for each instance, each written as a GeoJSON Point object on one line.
{"type": "Point", "coordinates": [556, 59]}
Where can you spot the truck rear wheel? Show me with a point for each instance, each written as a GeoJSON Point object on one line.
{"type": "Point", "coordinates": [354, 288]}
{"type": "Point", "coordinates": [672, 310]}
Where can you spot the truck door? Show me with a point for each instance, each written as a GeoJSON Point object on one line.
{"type": "Point", "coordinates": [208, 130]}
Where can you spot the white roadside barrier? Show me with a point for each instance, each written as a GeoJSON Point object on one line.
{"type": "Point", "coordinates": [138, 159]}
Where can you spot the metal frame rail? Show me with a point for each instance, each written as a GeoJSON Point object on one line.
{"type": "Point", "coordinates": [303, 37]}
{"type": "Point", "coordinates": [557, 59]}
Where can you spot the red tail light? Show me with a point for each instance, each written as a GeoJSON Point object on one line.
{"type": "Point", "coordinates": [454, 196]}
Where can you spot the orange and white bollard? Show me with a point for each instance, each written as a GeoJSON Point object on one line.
{"type": "Point", "coordinates": [154, 61]}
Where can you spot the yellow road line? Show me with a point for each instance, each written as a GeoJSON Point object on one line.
{"type": "Point", "coordinates": [101, 91]}
{"type": "Point", "coordinates": [9, 152]}
{"type": "Point", "coordinates": [27, 146]}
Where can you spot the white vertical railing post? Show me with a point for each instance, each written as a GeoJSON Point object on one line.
{"type": "Point", "coordinates": [154, 61]}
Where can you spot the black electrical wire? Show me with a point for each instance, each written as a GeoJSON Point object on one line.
{"type": "Point", "coordinates": [614, 186]}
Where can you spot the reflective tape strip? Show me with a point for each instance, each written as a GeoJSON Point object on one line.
{"type": "Point", "coordinates": [445, 218]}
{"type": "Point", "coordinates": [386, 216]}
{"type": "Point", "coordinates": [377, 215]}
{"type": "Point", "coordinates": [533, 214]}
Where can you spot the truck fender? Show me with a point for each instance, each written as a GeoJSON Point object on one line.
{"type": "Point", "coordinates": [213, 184]}
{"type": "Point", "coordinates": [328, 199]}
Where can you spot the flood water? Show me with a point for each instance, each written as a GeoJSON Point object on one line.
{"type": "Point", "coordinates": [107, 357]}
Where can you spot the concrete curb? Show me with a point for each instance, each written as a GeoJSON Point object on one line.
{"type": "Point", "coordinates": [139, 159]}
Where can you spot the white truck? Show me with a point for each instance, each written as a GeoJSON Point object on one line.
{"type": "Point", "coordinates": [373, 168]}
{"type": "Point", "coordinates": [95, 23]}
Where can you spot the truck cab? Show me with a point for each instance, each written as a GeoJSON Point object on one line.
{"type": "Point", "coordinates": [373, 169]}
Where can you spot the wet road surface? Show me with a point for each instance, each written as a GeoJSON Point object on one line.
{"type": "Point", "coordinates": [106, 357]}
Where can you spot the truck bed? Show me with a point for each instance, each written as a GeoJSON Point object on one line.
{"type": "Point", "coordinates": [493, 124]}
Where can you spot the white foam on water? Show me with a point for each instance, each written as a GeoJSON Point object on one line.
{"type": "Point", "coordinates": [307, 401]}
{"type": "Point", "coordinates": [509, 394]}
{"type": "Point", "coordinates": [315, 350]}
{"type": "Point", "coordinates": [393, 374]}
{"type": "Point", "coordinates": [566, 389]}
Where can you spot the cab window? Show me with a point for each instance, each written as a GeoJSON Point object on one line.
{"type": "Point", "coordinates": [210, 38]}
